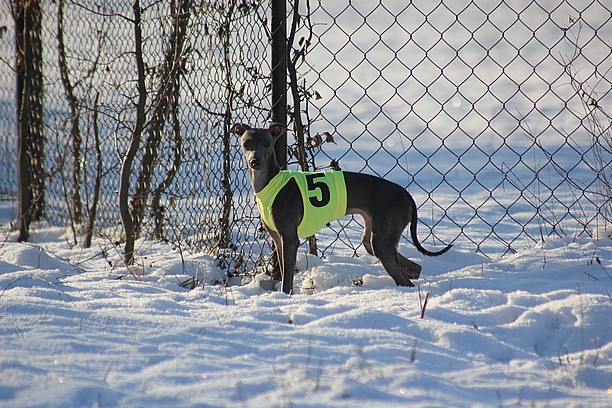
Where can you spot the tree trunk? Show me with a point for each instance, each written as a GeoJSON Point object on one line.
{"type": "Point", "coordinates": [297, 109]}
{"type": "Point", "coordinates": [165, 98]}
{"type": "Point", "coordinates": [28, 23]}
{"type": "Point", "coordinates": [97, 181]}
{"type": "Point", "coordinates": [75, 131]}
{"type": "Point", "coordinates": [226, 185]}
{"type": "Point", "coordinates": [128, 159]}
{"type": "Point", "coordinates": [157, 209]}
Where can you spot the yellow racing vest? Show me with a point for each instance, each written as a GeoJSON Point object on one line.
{"type": "Point", "coordinates": [323, 197]}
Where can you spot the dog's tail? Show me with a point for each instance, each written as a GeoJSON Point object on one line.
{"type": "Point", "coordinates": [415, 238]}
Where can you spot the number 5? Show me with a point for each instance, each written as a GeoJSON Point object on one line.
{"type": "Point", "coordinates": [318, 185]}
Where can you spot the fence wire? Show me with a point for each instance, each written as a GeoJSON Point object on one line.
{"type": "Point", "coordinates": [495, 115]}
{"type": "Point", "coordinates": [223, 74]}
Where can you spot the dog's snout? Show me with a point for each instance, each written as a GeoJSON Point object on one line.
{"type": "Point", "coordinates": [254, 163]}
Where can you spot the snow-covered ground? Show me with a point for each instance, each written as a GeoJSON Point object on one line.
{"type": "Point", "coordinates": [529, 329]}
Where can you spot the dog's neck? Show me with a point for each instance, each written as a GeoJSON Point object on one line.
{"type": "Point", "coordinates": [261, 178]}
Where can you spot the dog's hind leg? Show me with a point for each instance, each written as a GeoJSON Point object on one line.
{"type": "Point", "coordinates": [385, 228]}
{"type": "Point", "coordinates": [399, 267]}
{"type": "Point", "coordinates": [385, 250]}
{"type": "Point", "coordinates": [412, 269]}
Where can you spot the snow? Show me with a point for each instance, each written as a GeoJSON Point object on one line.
{"type": "Point", "coordinates": [528, 329]}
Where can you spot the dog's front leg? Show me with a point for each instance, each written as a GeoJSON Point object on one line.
{"type": "Point", "coordinates": [289, 247]}
{"type": "Point", "coordinates": [286, 253]}
{"type": "Point", "coordinates": [287, 212]}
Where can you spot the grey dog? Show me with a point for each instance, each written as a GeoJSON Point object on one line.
{"type": "Point", "coordinates": [386, 207]}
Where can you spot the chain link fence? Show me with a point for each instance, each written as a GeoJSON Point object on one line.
{"type": "Point", "coordinates": [495, 115]}
{"type": "Point", "coordinates": [205, 66]}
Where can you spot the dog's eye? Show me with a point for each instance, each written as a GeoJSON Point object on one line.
{"type": "Point", "coordinates": [266, 143]}
{"type": "Point", "coordinates": [247, 144]}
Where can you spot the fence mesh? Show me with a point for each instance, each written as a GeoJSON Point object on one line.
{"type": "Point", "coordinates": [495, 115]}
{"type": "Point", "coordinates": [223, 73]}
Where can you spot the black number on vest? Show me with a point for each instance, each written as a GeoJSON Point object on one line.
{"type": "Point", "coordinates": [318, 185]}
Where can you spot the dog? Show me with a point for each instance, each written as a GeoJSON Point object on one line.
{"type": "Point", "coordinates": [295, 205]}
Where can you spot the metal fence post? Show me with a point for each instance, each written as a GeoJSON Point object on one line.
{"type": "Point", "coordinates": [279, 75]}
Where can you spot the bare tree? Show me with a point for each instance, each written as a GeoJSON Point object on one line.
{"type": "Point", "coordinates": [165, 100]}
{"type": "Point", "coordinates": [156, 207]}
{"type": "Point", "coordinates": [89, 227]}
{"type": "Point", "coordinates": [296, 52]}
{"type": "Point", "coordinates": [75, 131]}
{"type": "Point", "coordinates": [230, 94]}
{"type": "Point", "coordinates": [28, 55]}
{"type": "Point", "coordinates": [136, 136]}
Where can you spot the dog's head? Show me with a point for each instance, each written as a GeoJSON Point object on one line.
{"type": "Point", "coordinates": [258, 144]}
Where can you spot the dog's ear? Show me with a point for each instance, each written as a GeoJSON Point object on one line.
{"type": "Point", "coordinates": [240, 128]}
{"type": "Point", "coordinates": [276, 129]}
